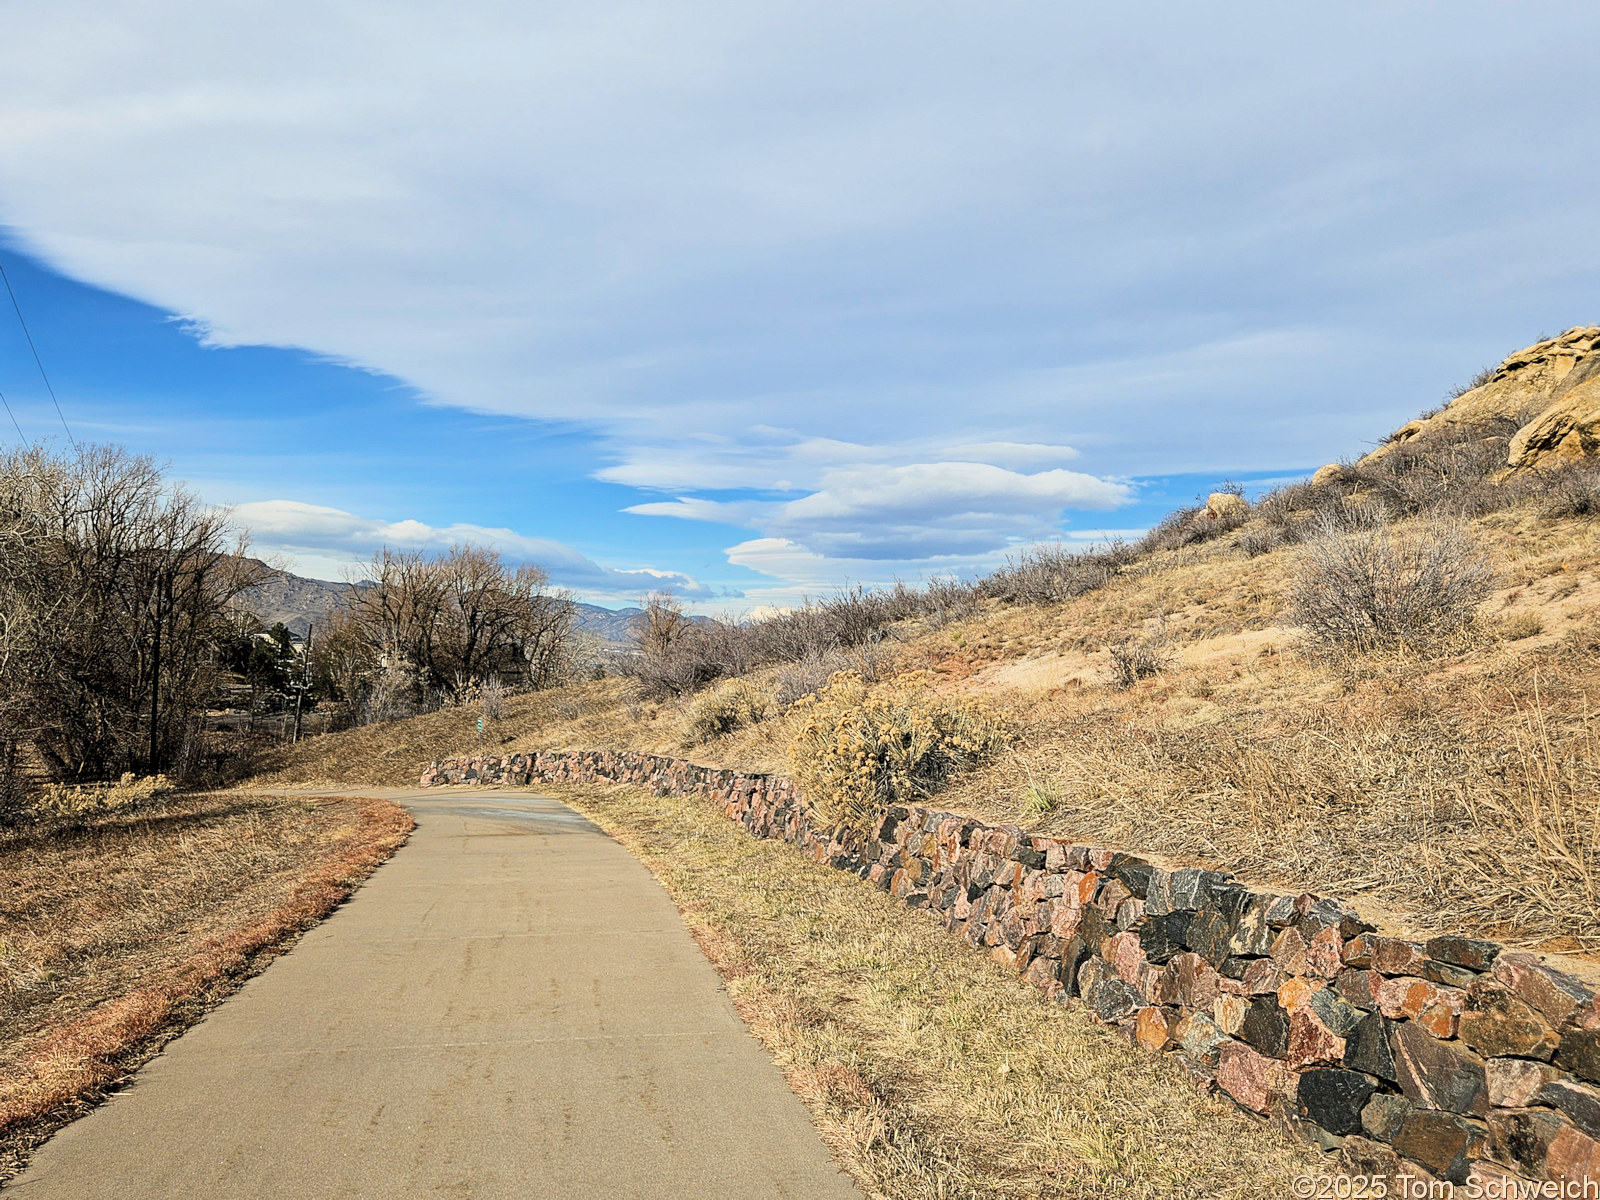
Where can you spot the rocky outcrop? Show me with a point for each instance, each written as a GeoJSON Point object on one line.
{"type": "Point", "coordinates": [1444, 1060]}
{"type": "Point", "coordinates": [1549, 393]}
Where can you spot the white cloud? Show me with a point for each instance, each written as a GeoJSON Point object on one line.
{"type": "Point", "coordinates": [919, 511]}
{"type": "Point", "coordinates": [315, 539]}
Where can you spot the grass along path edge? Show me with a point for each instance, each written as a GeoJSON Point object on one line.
{"type": "Point", "coordinates": [931, 1072]}
{"type": "Point", "coordinates": [72, 1066]}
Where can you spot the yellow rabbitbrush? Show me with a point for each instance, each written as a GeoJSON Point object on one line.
{"type": "Point", "coordinates": [857, 749]}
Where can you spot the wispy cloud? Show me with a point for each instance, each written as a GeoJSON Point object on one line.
{"type": "Point", "coordinates": [308, 534]}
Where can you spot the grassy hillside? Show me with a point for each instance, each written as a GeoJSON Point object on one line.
{"type": "Point", "coordinates": [1174, 705]}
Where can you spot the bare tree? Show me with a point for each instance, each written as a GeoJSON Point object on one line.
{"type": "Point", "coordinates": [113, 591]}
{"type": "Point", "coordinates": [420, 627]}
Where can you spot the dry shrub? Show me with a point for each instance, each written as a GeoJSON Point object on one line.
{"type": "Point", "coordinates": [857, 750]}
{"type": "Point", "coordinates": [1570, 490]}
{"type": "Point", "coordinates": [60, 801]}
{"type": "Point", "coordinates": [722, 710]}
{"type": "Point", "coordinates": [808, 676]}
{"type": "Point", "coordinates": [1051, 573]}
{"type": "Point", "coordinates": [1523, 625]}
{"type": "Point", "coordinates": [1389, 586]}
{"type": "Point", "coordinates": [1136, 660]}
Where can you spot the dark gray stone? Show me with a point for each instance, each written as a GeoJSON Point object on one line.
{"type": "Point", "coordinates": [1580, 1053]}
{"type": "Point", "coordinates": [1334, 1011]}
{"type": "Point", "coordinates": [1580, 1103]}
{"type": "Point", "coordinates": [1191, 887]}
{"type": "Point", "coordinates": [1334, 1098]}
{"type": "Point", "coordinates": [1266, 1027]}
{"type": "Point", "coordinates": [1474, 954]}
{"type": "Point", "coordinates": [1368, 1048]}
{"type": "Point", "coordinates": [1162, 936]}
{"type": "Point", "coordinates": [1208, 936]}
{"type": "Point", "coordinates": [1133, 872]}
{"type": "Point", "coordinates": [1435, 1074]}
{"type": "Point", "coordinates": [1435, 971]}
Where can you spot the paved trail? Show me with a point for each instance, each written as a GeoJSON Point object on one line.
{"type": "Point", "coordinates": [511, 1007]}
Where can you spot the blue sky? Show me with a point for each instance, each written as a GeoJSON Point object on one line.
{"type": "Point", "coordinates": [755, 300]}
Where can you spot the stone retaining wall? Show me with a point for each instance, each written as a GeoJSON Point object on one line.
{"type": "Point", "coordinates": [1439, 1060]}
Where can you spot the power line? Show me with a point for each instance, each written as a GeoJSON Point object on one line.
{"type": "Point", "coordinates": [13, 417]}
{"type": "Point", "coordinates": [37, 361]}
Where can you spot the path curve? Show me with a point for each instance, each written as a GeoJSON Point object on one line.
{"type": "Point", "coordinates": [511, 1007]}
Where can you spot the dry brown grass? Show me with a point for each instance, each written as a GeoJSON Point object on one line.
{"type": "Point", "coordinates": [931, 1071]}
{"type": "Point", "coordinates": [1453, 788]}
{"type": "Point", "coordinates": [118, 934]}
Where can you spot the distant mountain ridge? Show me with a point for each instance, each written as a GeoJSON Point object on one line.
{"type": "Point", "coordinates": [299, 603]}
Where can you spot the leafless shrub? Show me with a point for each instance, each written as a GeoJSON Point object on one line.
{"type": "Point", "coordinates": [1570, 490]}
{"type": "Point", "coordinates": [1050, 573]}
{"type": "Point", "coordinates": [1442, 470]}
{"type": "Point", "coordinates": [807, 677]}
{"type": "Point", "coordinates": [1136, 660]}
{"type": "Point", "coordinates": [1386, 586]}
{"type": "Point", "coordinates": [1261, 538]}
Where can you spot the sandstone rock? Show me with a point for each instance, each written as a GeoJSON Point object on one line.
{"type": "Point", "coordinates": [1573, 1157]}
{"type": "Point", "coordinates": [1567, 431]}
{"type": "Point", "coordinates": [1253, 1080]}
{"type": "Point", "coordinates": [1325, 954]}
{"type": "Point", "coordinates": [1125, 957]}
{"type": "Point", "coordinates": [1289, 952]}
{"type": "Point", "coordinates": [1443, 1142]}
{"type": "Point", "coordinates": [1327, 474]}
{"type": "Point", "coordinates": [1296, 993]}
{"type": "Point", "coordinates": [1369, 1047]}
{"type": "Point", "coordinates": [1383, 1115]}
{"type": "Point", "coordinates": [1496, 1023]}
{"type": "Point", "coordinates": [1334, 1099]}
{"type": "Point", "coordinates": [1266, 1027]}
{"type": "Point", "coordinates": [1225, 506]}
{"type": "Point", "coordinates": [1516, 1082]}
{"type": "Point", "coordinates": [1129, 914]}
{"type": "Point", "coordinates": [1197, 983]}
{"type": "Point", "coordinates": [1555, 995]}
{"type": "Point", "coordinates": [1386, 955]}
{"type": "Point", "coordinates": [1112, 894]}
{"type": "Point", "coordinates": [1471, 953]}
{"type": "Point", "coordinates": [1435, 1074]}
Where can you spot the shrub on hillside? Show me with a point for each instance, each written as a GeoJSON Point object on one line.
{"type": "Point", "coordinates": [858, 749]}
{"type": "Point", "coordinates": [1389, 585]}
{"type": "Point", "coordinates": [1050, 573]}
{"type": "Point", "coordinates": [722, 710]}
{"type": "Point", "coordinates": [1136, 660]}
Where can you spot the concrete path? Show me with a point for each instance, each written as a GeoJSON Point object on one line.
{"type": "Point", "coordinates": [511, 1007]}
